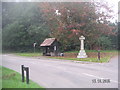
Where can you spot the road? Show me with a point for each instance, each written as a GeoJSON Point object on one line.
{"type": "Point", "coordinates": [54, 73]}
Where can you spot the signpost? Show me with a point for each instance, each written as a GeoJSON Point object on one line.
{"type": "Point", "coordinates": [34, 44]}
{"type": "Point", "coordinates": [98, 54]}
{"type": "Point", "coordinates": [22, 67]}
{"type": "Point", "coordinates": [27, 74]}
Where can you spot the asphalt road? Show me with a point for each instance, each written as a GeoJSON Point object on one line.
{"type": "Point", "coordinates": [54, 73]}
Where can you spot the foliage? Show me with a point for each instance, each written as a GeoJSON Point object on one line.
{"type": "Point", "coordinates": [104, 42]}
{"type": "Point", "coordinates": [23, 26]}
{"type": "Point", "coordinates": [26, 23]}
{"type": "Point", "coordinates": [71, 20]}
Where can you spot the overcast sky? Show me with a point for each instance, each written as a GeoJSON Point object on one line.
{"type": "Point", "coordinates": [114, 3]}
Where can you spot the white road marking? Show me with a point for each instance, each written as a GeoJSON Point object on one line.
{"type": "Point", "coordinates": [98, 77]}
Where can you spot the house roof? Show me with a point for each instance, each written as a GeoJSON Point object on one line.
{"type": "Point", "coordinates": [48, 42]}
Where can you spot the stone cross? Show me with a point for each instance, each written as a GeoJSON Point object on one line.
{"type": "Point", "coordinates": [82, 38]}
{"type": "Point", "coordinates": [82, 53]}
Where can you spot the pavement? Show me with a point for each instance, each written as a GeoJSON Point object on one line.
{"type": "Point", "coordinates": [55, 73]}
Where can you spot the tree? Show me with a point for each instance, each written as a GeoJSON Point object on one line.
{"type": "Point", "coordinates": [68, 21]}
{"type": "Point", "coordinates": [23, 25]}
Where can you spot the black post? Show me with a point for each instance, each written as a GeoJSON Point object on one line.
{"type": "Point", "coordinates": [22, 67]}
{"type": "Point", "coordinates": [34, 49]}
{"type": "Point", "coordinates": [98, 54]}
{"type": "Point", "coordinates": [27, 75]}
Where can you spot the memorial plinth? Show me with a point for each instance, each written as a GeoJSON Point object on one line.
{"type": "Point", "coordinates": [82, 53]}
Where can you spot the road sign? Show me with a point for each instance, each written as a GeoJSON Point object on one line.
{"type": "Point", "coordinates": [34, 44]}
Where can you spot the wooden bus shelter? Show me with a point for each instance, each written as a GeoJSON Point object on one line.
{"type": "Point", "coordinates": [50, 47]}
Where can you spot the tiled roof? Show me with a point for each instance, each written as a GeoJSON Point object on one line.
{"type": "Point", "coordinates": [48, 42]}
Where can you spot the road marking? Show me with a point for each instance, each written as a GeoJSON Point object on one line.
{"type": "Point", "coordinates": [98, 77]}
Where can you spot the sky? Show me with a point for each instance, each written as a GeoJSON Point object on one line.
{"type": "Point", "coordinates": [114, 3]}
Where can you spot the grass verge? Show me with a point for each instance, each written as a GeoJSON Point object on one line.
{"type": "Point", "coordinates": [106, 55]}
{"type": "Point", "coordinates": [28, 54]}
{"type": "Point", "coordinates": [105, 59]}
{"type": "Point", "coordinates": [71, 55]}
{"type": "Point", "coordinates": [92, 51]}
{"type": "Point", "coordinates": [12, 79]}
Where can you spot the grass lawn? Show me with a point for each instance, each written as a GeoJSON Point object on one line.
{"type": "Point", "coordinates": [92, 56]}
{"type": "Point", "coordinates": [12, 79]}
{"type": "Point", "coordinates": [29, 54]}
{"type": "Point", "coordinates": [105, 59]}
{"type": "Point", "coordinates": [92, 51]}
{"type": "Point", "coordinates": [72, 55]}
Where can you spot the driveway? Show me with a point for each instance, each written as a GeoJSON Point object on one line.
{"type": "Point", "coordinates": [54, 73]}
